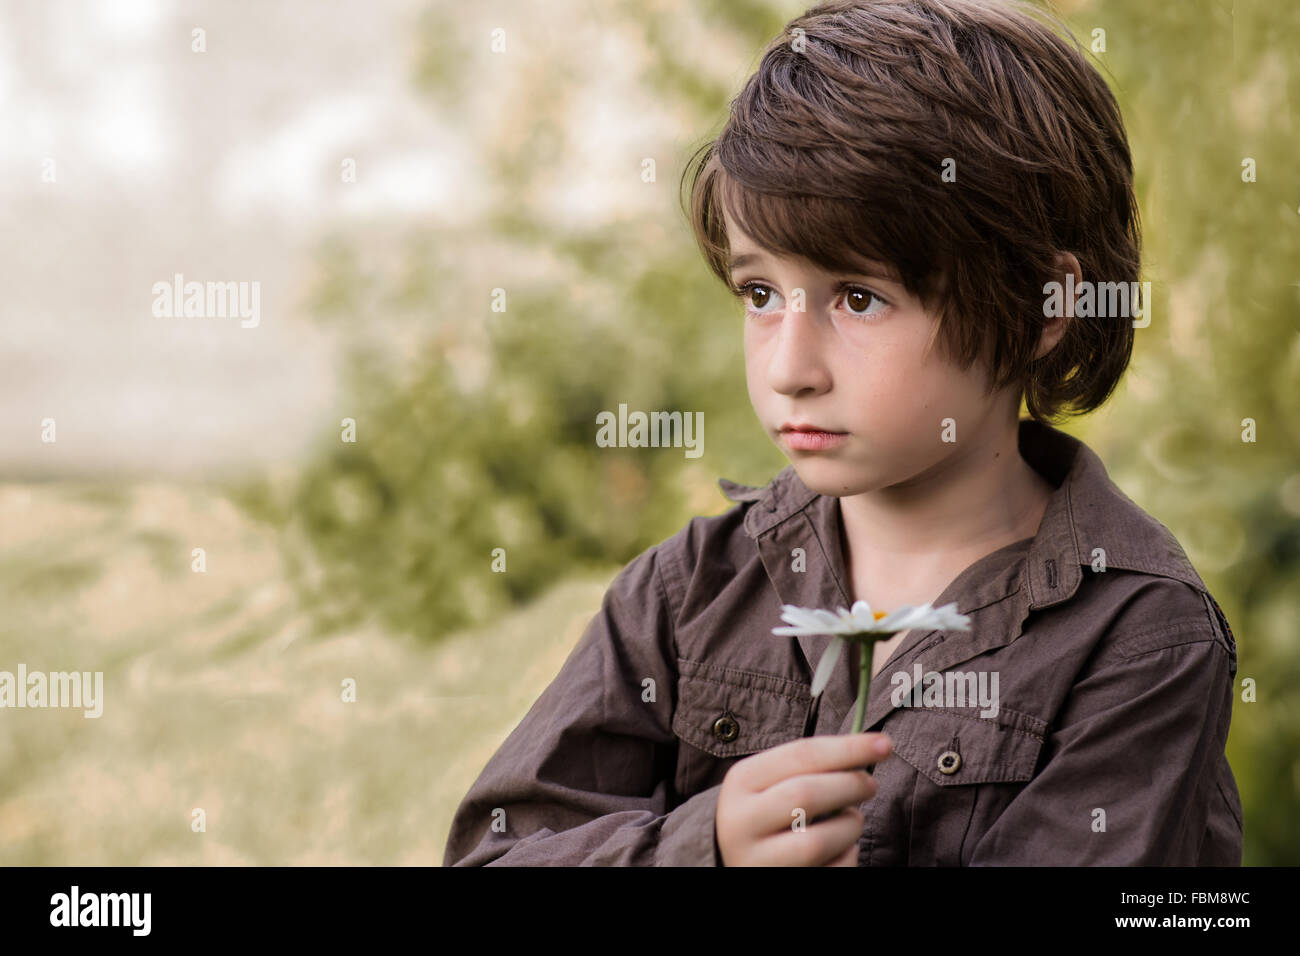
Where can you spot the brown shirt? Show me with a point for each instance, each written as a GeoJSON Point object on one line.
{"type": "Point", "coordinates": [1114, 666]}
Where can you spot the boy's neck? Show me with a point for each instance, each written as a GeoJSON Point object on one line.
{"type": "Point", "coordinates": [922, 533]}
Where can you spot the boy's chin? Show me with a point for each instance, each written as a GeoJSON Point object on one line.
{"type": "Point", "coordinates": [834, 478]}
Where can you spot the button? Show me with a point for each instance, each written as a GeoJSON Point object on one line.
{"type": "Point", "coordinates": [726, 728]}
{"type": "Point", "coordinates": [949, 761]}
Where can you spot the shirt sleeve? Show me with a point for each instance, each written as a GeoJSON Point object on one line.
{"type": "Point", "coordinates": [586, 778]}
{"type": "Point", "coordinates": [1129, 764]}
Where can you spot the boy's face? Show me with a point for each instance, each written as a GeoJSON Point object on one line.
{"type": "Point", "coordinates": [855, 362]}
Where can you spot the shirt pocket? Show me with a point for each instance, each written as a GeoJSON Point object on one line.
{"type": "Point", "coordinates": [725, 713]}
{"type": "Point", "coordinates": [967, 768]}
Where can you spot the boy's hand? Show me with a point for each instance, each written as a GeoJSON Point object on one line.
{"type": "Point", "coordinates": [822, 775]}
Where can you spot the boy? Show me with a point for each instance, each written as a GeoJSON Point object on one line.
{"type": "Point", "coordinates": [897, 189]}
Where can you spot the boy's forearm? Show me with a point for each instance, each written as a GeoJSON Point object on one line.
{"type": "Point", "coordinates": [684, 836]}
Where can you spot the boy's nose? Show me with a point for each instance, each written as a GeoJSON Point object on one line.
{"type": "Point", "coordinates": [796, 362]}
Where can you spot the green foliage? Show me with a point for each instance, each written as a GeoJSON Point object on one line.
{"type": "Point", "coordinates": [1204, 86]}
{"type": "Point", "coordinates": [482, 435]}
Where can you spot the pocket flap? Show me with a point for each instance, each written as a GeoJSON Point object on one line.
{"type": "Point", "coordinates": [952, 747]}
{"type": "Point", "coordinates": [728, 712]}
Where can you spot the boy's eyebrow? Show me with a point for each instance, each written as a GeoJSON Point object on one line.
{"type": "Point", "coordinates": [870, 266]}
{"type": "Point", "coordinates": [744, 259]}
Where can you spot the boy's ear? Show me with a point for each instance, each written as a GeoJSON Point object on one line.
{"type": "Point", "coordinates": [1054, 328]}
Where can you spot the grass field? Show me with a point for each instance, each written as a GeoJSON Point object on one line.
{"type": "Point", "coordinates": [218, 697]}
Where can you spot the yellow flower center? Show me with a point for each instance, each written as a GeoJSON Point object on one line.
{"type": "Point", "coordinates": [877, 614]}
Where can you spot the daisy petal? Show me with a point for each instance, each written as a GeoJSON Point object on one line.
{"type": "Point", "coordinates": [806, 621]}
{"type": "Point", "coordinates": [951, 619]}
{"type": "Point", "coordinates": [826, 665]}
{"type": "Point", "coordinates": [799, 617]}
{"type": "Point", "coordinates": [861, 609]}
{"type": "Point", "coordinates": [904, 618]}
{"type": "Point", "coordinates": [828, 619]}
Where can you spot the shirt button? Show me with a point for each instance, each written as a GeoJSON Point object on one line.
{"type": "Point", "coordinates": [726, 728]}
{"type": "Point", "coordinates": [949, 761]}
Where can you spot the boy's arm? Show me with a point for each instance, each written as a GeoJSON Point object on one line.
{"type": "Point", "coordinates": [586, 778]}
{"type": "Point", "coordinates": [1136, 738]}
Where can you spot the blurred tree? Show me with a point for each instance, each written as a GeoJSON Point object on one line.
{"type": "Point", "coordinates": [476, 428]}
{"type": "Point", "coordinates": [1205, 86]}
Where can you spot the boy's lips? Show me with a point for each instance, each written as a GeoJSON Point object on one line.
{"type": "Point", "coordinates": [807, 427]}
{"type": "Point", "coordinates": [806, 437]}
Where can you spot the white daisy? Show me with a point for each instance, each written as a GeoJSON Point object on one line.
{"type": "Point", "coordinates": [863, 623]}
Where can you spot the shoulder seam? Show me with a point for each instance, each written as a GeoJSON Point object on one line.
{"type": "Point", "coordinates": [1214, 646]}
{"type": "Point", "coordinates": [1164, 637]}
{"type": "Point", "coordinates": [1192, 580]}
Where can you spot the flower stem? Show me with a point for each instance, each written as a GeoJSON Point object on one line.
{"type": "Point", "coordinates": [864, 683]}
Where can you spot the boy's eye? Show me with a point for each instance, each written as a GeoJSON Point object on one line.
{"type": "Point", "coordinates": [856, 297]}
{"type": "Point", "coordinates": [758, 295]}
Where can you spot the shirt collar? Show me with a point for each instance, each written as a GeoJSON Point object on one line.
{"type": "Point", "coordinates": [1088, 522]}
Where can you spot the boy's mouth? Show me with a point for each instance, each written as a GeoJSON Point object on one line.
{"type": "Point", "coordinates": [806, 437]}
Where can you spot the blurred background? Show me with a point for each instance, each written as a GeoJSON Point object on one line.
{"type": "Point", "coordinates": [390, 173]}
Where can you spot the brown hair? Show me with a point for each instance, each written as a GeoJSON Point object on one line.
{"type": "Point", "coordinates": [834, 152]}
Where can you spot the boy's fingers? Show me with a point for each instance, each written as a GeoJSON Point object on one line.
{"type": "Point", "coordinates": [813, 755]}
{"type": "Point", "coordinates": [816, 795]}
{"type": "Point", "coordinates": [820, 844]}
